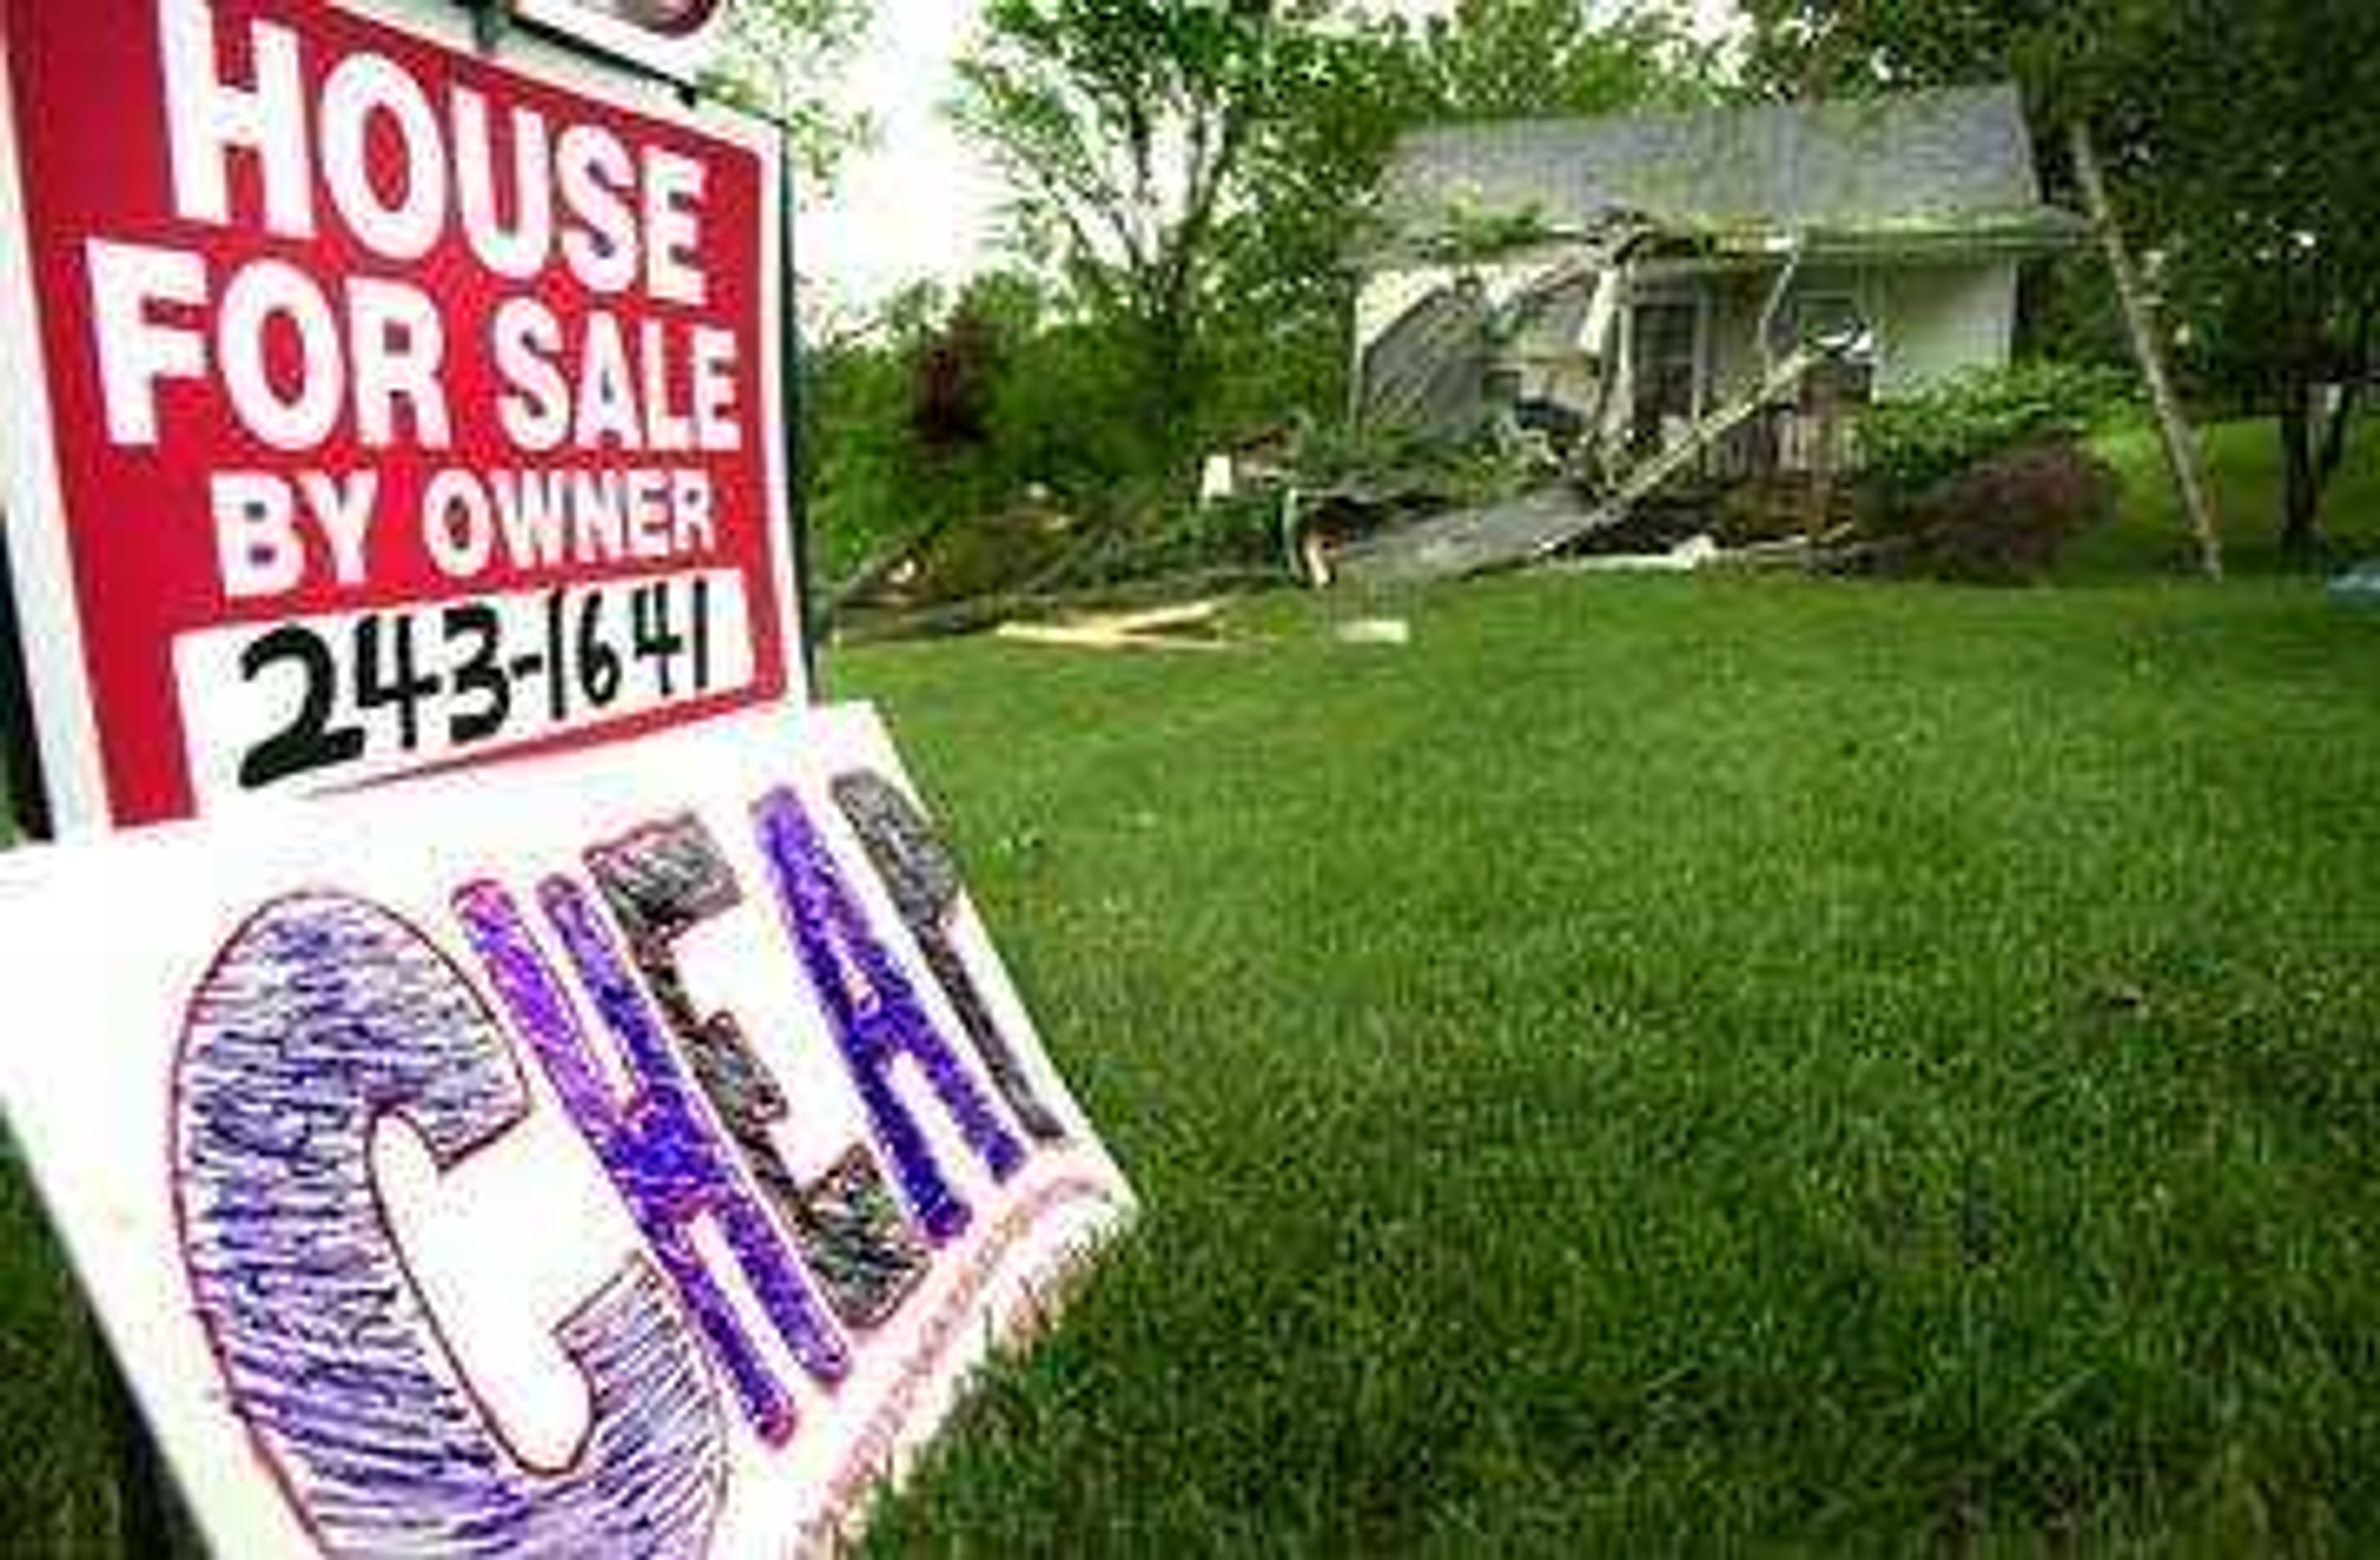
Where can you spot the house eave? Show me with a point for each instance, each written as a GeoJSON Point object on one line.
{"type": "Point", "coordinates": [2015, 236]}
{"type": "Point", "coordinates": [2020, 236]}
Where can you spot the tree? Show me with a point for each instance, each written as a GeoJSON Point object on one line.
{"type": "Point", "coordinates": [947, 411]}
{"type": "Point", "coordinates": [779, 56]}
{"type": "Point", "coordinates": [2079, 65]}
{"type": "Point", "coordinates": [1517, 59]}
{"type": "Point", "coordinates": [2241, 138]}
{"type": "Point", "coordinates": [1121, 125]}
{"type": "Point", "coordinates": [2263, 158]}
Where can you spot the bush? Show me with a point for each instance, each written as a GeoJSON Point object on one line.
{"type": "Point", "coordinates": [1909, 448]}
{"type": "Point", "coordinates": [2003, 520]}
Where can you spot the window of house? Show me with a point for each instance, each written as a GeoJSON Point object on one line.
{"type": "Point", "coordinates": [1664, 362]}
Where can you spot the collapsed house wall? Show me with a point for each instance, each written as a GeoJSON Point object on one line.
{"type": "Point", "coordinates": [1908, 211]}
{"type": "Point", "coordinates": [1508, 352]}
{"type": "Point", "coordinates": [1929, 319]}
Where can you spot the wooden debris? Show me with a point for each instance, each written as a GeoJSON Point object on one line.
{"type": "Point", "coordinates": [1533, 527]}
{"type": "Point", "coordinates": [1185, 626]}
{"type": "Point", "coordinates": [979, 614]}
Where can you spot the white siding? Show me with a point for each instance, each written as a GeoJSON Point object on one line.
{"type": "Point", "coordinates": [1931, 321]}
{"type": "Point", "coordinates": [1940, 319]}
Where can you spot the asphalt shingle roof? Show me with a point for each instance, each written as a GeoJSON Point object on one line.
{"type": "Point", "coordinates": [1943, 160]}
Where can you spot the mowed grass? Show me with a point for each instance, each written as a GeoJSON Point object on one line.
{"type": "Point", "coordinates": [57, 1458]}
{"type": "Point", "coordinates": [1662, 1065]}
{"type": "Point", "coordinates": [2243, 461]}
{"type": "Point", "coordinates": [1677, 1065]}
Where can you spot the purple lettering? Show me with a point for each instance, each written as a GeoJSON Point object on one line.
{"type": "Point", "coordinates": [665, 1159]}
{"type": "Point", "coordinates": [923, 882]}
{"type": "Point", "coordinates": [321, 1015]}
{"type": "Point", "coordinates": [876, 1019]}
{"type": "Point", "coordinates": [661, 882]}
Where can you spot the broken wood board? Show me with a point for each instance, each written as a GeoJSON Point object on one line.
{"type": "Point", "coordinates": [1185, 626]}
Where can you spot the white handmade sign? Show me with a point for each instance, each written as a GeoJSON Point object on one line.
{"type": "Point", "coordinates": [622, 1152]}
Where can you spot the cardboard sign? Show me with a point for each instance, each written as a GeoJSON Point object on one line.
{"type": "Point", "coordinates": [374, 407]}
{"type": "Point", "coordinates": [623, 1152]}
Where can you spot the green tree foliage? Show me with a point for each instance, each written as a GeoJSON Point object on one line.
{"type": "Point", "coordinates": [956, 407]}
{"type": "Point", "coordinates": [2244, 141]}
{"type": "Point", "coordinates": [1518, 59]}
{"type": "Point", "coordinates": [1826, 48]}
{"type": "Point", "coordinates": [779, 57]}
{"type": "Point", "coordinates": [1121, 125]}
{"type": "Point", "coordinates": [2261, 156]}
{"type": "Point", "coordinates": [1909, 446]}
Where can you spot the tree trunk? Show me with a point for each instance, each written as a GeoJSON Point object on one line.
{"type": "Point", "coordinates": [2140, 324]}
{"type": "Point", "coordinates": [2301, 482]}
{"type": "Point", "coordinates": [2333, 435]}
{"type": "Point", "coordinates": [2350, 388]}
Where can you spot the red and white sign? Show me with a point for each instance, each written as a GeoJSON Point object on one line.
{"type": "Point", "coordinates": [373, 407]}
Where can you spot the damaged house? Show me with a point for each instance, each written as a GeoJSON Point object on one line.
{"type": "Point", "coordinates": [1705, 289]}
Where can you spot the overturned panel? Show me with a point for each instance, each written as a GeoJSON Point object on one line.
{"type": "Point", "coordinates": [1428, 371]}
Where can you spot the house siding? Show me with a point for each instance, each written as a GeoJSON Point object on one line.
{"type": "Point", "coordinates": [1932, 321]}
{"type": "Point", "coordinates": [1941, 318]}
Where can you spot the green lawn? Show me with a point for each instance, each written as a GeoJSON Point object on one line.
{"type": "Point", "coordinates": [2243, 461]}
{"type": "Point", "coordinates": [56, 1463]}
{"type": "Point", "coordinates": [1672, 1065]}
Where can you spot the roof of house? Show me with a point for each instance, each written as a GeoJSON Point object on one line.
{"type": "Point", "coordinates": [1942, 164]}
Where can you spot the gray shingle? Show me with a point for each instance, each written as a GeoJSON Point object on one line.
{"type": "Point", "coordinates": [1941, 159]}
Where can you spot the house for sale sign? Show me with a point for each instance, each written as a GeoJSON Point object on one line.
{"type": "Point", "coordinates": [375, 406]}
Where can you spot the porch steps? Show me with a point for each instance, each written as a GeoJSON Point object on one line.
{"type": "Point", "coordinates": [1523, 529]}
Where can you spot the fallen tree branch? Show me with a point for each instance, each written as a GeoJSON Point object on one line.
{"type": "Point", "coordinates": [877, 569]}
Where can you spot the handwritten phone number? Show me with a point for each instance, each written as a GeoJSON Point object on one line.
{"type": "Point", "coordinates": [422, 682]}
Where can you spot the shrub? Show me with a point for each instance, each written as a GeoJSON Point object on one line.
{"type": "Point", "coordinates": [1909, 448]}
{"type": "Point", "coordinates": [2003, 520]}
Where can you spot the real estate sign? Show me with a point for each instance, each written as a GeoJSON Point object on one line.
{"type": "Point", "coordinates": [619, 1153]}
{"type": "Point", "coordinates": [375, 406]}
